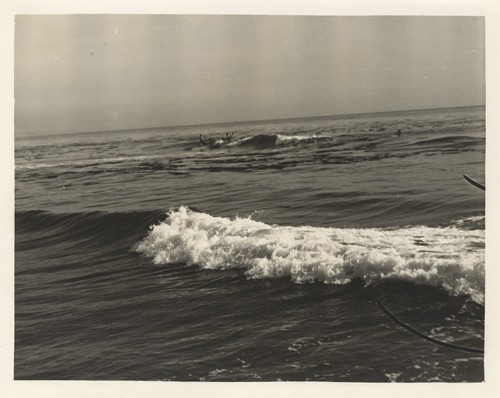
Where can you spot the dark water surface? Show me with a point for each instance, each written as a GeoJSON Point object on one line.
{"type": "Point", "coordinates": [298, 227]}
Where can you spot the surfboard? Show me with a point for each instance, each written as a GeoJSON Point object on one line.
{"type": "Point", "coordinates": [475, 183]}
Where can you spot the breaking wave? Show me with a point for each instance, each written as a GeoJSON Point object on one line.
{"type": "Point", "coordinates": [263, 141]}
{"type": "Point", "coordinates": [448, 258]}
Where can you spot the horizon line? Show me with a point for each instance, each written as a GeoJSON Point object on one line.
{"type": "Point", "coordinates": [256, 121]}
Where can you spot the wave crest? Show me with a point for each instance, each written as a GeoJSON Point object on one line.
{"type": "Point", "coordinates": [447, 257]}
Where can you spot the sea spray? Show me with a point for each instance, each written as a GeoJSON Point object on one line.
{"type": "Point", "coordinates": [443, 257]}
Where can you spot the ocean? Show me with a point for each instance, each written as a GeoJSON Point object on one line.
{"type": "Point", "coordinates": [175, 254]}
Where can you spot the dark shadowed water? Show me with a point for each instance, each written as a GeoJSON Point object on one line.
{"type": "Point", "coordinates": [148, 255]}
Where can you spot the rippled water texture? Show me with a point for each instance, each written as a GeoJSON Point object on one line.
{"type": "Point", "coordinates": [163, 255]}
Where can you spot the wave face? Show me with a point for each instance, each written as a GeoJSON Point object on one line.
{"type": "Point", "coordinates": [109, 227]}
{"type": "Point", "coordinates": [448, 257]}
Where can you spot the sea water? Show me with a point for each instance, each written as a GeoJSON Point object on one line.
{"type": "Point", "coordinates": [152, 254]}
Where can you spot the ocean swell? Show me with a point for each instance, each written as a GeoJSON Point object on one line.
{"type": "Point", "coordinates": [449, 258]}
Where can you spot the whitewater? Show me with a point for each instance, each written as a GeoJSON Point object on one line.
{"type": "Point", "coordinates": [440, 257]}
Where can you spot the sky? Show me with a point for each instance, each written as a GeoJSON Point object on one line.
{"type": "Point", "coordinates": [82, 73]}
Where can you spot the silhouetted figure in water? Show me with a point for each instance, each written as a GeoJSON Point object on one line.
{"type": "Point", "coordinates": [399, 132]}
{"type": "Point", "coordinates": [210, 142]}
{"type": "Point", "coordinates": [204, 141]}
{"type": "Point", "coordinates": [215, 142]}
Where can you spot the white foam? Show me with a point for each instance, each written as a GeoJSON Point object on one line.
{"type": "Point", "coordinates": [86, 162]}
{"type": "Point", "coordinates": [447, 257]}
{"type": "Point", "coordinates": [295, 139]}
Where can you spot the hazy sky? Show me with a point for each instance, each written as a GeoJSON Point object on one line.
{"type": "Point", "coordinates": [76, 73]}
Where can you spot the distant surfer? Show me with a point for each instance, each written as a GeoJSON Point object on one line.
{"type": "Point", "coordinates": [215, 143]}
{"type": "Point", "coordinates": [210, 142]}
{"type": "Point", "coordinates": [399, 132]}
{"type": "Point", "coordinates": [204, 141]}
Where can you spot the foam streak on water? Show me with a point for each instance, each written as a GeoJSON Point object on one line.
{"type": "Point", "coordinates": [445, 257]}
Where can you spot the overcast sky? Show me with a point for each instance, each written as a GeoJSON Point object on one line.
{"type": "Point", "coordinates": [77, 73]}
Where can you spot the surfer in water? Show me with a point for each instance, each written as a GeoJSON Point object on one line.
{"type": "Point", "coordinates": [215, 142]}
{"type": "Point", "coordinates": [399, 132]}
